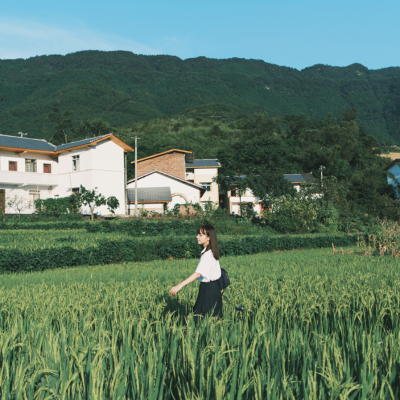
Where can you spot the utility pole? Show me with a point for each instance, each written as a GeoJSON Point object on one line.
{"type": "Point", "coordinates": [321, 167]}
{"type": "Point", "coordinates": [136, 207]}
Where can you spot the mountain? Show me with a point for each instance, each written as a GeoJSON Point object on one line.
{"type": "Point", "coordinates": [121, 87]}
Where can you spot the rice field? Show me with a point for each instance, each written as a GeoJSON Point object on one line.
{"type": "Point", "coordinates": [315, 326]}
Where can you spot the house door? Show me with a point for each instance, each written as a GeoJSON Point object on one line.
{"type": "Point", "coordinates": [2, 201]}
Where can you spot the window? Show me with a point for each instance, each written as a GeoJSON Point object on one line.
{"type": "Point", "coordinates": [75, 163]}
{"type": "Point", "coordinates": [12, 166]}
{"type": "Point", "coordinates": [206, 185]}
{"type": "Point", "coordinates": [75, 191]}
{"type": "Point", "coordinates": [47, 168]}
{"type": "Point", "coordinates": [30, 165]}
{"type": "Point", "coordinates": [33, 195]}
{"type": "Point", "coordinates": [233, 192]}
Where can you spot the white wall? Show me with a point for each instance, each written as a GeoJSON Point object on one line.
{"type": "Point", "coordinates": [178, 188]}
{"type": "Point", "coordinates": [204, 175]}
{"type": "Point", "coordinates": [101, 166]}
{"type": "Point", "coordinates": [23, 195]}
{"type": "Point", "coordinates": [6, 156]}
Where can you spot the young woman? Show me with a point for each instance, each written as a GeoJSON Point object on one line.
{"type": "Point", "coordinates": [208, 272]}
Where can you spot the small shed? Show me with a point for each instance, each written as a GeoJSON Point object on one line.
{"type": "Point", "coordinates": [153, 199]}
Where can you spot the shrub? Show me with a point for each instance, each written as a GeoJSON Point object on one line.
{"type": "Point", "coordinates": [107, 252]}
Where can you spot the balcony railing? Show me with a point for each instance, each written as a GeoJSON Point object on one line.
{"type": "Point", "coordinates": [28, 178]}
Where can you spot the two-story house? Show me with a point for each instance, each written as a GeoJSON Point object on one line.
{"type": "Point", "coordinates": [203, 172]}
{"type": "Point", "coordinates": [233, 198]}
{"type": "Point", "coordinates": [34, 168]}
{"type": "Point", "coordinates": [174, 177]}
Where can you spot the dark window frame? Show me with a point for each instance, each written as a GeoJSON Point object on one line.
{"type": "Point", "coordinates": [15, 164]}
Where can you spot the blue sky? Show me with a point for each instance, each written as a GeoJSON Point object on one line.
{"type": "Point", "coordinates": [295, 33]}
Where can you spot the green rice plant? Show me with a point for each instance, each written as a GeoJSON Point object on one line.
{"type": "Point", "coordinates": [315, 326]}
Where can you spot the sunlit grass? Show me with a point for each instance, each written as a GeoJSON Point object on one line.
{"type": "Point", "coordinates": [314, 324]}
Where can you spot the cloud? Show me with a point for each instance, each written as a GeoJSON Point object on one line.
{"type": "Point", "coordinates": [24, 39]}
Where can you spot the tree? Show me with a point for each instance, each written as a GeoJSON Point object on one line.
{"type": "Point", "coordinates": [92, 199]}
{"type": "Point", "coordinates": [63, 125]}
{"type": "Point", "coordinates": [112, 204]}
{"type": "Point", "coordinates": [94, 127]}
{"type": "Point", "coordinates": [18, 203]}
{"type": "Point", "coordinates": [258, 159]}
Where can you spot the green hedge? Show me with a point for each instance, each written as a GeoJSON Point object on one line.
{"type": "Point", "coordinates": [13, 260]}
{"type": "Point", "coordinates": [43, 225]}
{"type": "Point", "coordinates": [140, 228]}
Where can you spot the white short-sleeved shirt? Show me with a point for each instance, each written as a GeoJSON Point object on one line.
{"type": "Point", "coordinates": [208, 267]}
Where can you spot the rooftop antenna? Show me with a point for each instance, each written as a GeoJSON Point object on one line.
{"type": "Point", "coordinates": [22, 134]}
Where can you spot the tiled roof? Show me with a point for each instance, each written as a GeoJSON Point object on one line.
{"type": "Point", "coordinates": [25, 143]}
{"type": "Point", "coordinates": [294, 177]}
{"type": "Point", "coordinates": [42, 145]}
{"type": "Point", "coordinates": [170, 176]}
{"type": "Point", "coordinates": [150, 194]}
{"type": "Point", "coordinates": [204, 163]}
{"type": "Point", "coordinates": [80, 142]}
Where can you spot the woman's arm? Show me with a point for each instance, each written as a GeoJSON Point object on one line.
{"type": "Point", "coordinates": [177, 288]}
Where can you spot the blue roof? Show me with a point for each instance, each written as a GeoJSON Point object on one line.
{"type": "Point", "coordinates": [25, 143]}
{"type": "Point", "coordinates": [41, 144]}
{"type": "Point", "coordinates": [150, 194]}
{"type": "Point", "coordinates": [79, 143]}
{"type": "Point", "coordinates": [204, 163]}
{"type": "Point", "coordinates": [294, 177]}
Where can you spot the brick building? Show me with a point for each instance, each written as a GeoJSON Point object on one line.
{"type": "Point", "coordinates": [172, 162]}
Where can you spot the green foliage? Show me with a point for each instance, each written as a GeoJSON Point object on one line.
{"type": "Point", "coordinates": [124, 88]}
{"type": "Point", "coordinates": [106, 251]}
{"type": "Point", "coordinates": [56, 207]}
{"type": "Point", "coordinates": [55, 225]}
{"type": "Point", "coordinates": [93, 127]}
{"type": "Point", "coordinates": [63, 126]}
{"type": "Point", "coordinates": [112, 204]}
{"type": "Point", "coordinates": [289, 214]}
{"type": "Point", "coordinates": [91, 199]}
{"type": "Point", "coordinates": [315, 326]}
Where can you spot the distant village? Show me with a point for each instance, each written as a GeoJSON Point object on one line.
{"type": "Point", "coordinates": [34, 168]}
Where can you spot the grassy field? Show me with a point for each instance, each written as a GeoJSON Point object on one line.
{"type": "Point", "coordinates": [315, 326]}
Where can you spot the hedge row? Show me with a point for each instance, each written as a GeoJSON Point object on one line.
{"type": "Point", "coordinates": [140, 228]}
{"type": "Point", "coordinates": [44, 225]}
{"type": "Point", "coordinates": [107, 252]}
{"type": "Point", "coordinates": [133, 227]}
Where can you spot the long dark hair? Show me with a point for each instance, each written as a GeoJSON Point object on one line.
{"type": "Point", "coordinates": [209, 230]}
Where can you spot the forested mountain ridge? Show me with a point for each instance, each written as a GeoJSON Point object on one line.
{"type": "Point", "coordinates": [121, 87]}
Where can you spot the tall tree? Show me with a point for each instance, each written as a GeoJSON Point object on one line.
{"type": "Point", "coordinates": [63, 125]}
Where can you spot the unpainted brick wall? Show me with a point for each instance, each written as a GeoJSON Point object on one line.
{"type": "Point", "coordinates": [172, 163]}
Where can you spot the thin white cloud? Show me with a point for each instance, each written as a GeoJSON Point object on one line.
{"type": "Point", "coordinates": [24, 39]}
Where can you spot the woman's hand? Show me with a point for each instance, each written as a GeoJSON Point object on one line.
{"type": "Point", "coordinates": [175, 290]}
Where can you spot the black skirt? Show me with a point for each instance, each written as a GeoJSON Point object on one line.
{"type": "Point", "coordinates": [209, 300]}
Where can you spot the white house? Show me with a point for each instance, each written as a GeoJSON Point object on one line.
{"type": "Point", "coordinates": [394, 168]}
{"type": "Point", "coordinates": [233, 198]}
{"type": "Point", "coordinates": [203, 172]}
{"type": "Point", "coordinates": [34, 168]}
{"type": "Point", "coordinates": [180, 191]}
